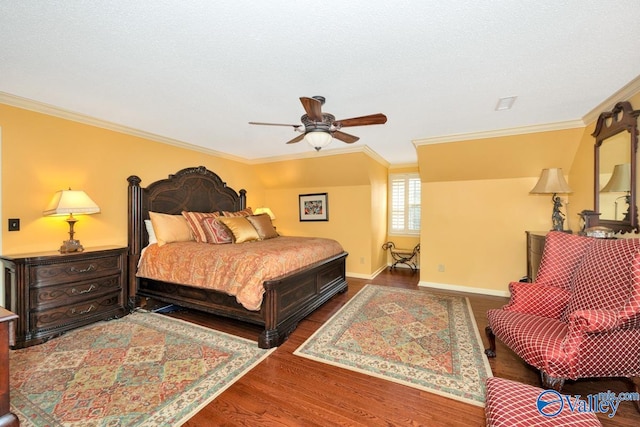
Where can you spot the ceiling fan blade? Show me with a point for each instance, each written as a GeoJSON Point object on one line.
{"type": "Point", "coordinates": [274, 124]}
{"type": "Point", "coordinates": [373, 119]}
{"type": "Point", "coordinates": [296, 139]}
{"type": "Point", "coordinates": [344, 137]}
{"type": "Point", "coordinates": [313, 108]}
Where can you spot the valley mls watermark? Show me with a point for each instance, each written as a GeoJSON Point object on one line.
{"type": "Point", "coordinates": [551, 403]}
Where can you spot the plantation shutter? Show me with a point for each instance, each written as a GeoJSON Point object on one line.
{"type": "Point", "coordinates": [404, 204]}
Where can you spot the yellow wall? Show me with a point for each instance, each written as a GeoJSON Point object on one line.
{"type": "Point", "coordinates": [475, 193]}
{"type": "Point", "coordinates": [355, 184]}
{"type": "Point", "coordinates": [581, 174]}
{"type": "Point", "coordinates": [42, 154]}
{"type": "Point", "coordinates": [476, 202]}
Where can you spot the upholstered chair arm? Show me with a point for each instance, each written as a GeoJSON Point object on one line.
{"type": "Point", "coordinates": [592, 321]}
{"type": "Point", "coordinates": [629, 315]}
{"type": "Point", "coordinates": [540, 300]}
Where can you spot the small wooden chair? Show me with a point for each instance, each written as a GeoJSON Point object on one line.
{"type": "Point", "coordinates": [407, 257]}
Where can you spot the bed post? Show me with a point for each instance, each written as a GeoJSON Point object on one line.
{"type": "Point", "coordinates": [134, 222]}
{"type": "Point", "coordinates": [243, 199]}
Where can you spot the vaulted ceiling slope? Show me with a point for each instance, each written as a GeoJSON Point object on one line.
{"type": "Point", "coordinates": [198, 71]}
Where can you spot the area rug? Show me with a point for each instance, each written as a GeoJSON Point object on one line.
{"type": "Point", "coordinates": [413, 337]}
{"type": "Point", "coordinates": [144, 369]}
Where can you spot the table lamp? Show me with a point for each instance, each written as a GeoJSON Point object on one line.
{"type": "Point", "coordinates": [552, 182]}
{"type": "Point", "coordinates": [69, 202]}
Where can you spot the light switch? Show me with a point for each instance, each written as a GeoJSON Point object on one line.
{"type": "Point", "coordinates": [14, 224]}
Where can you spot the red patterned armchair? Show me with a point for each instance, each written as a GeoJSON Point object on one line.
{"type": "Point", "coordinates": [581, 316]}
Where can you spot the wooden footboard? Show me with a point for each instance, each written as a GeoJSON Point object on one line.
{"type": "Point", "coordinates": [287, 299]}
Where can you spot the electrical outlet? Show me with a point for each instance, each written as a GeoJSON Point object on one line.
{"type": "Point", "coordinates": [14, 224]}
{"type": "Point", "coordinates": [441, 268]}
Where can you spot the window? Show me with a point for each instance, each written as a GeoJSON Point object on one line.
{"type": "Point", "coordinates": [404, 203]}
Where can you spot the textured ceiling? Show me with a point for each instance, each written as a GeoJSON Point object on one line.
{"type": "Point", "coordinates": [198, 71]}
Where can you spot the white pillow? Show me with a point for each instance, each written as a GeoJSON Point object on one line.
{"type": "Point", "coordinates": [151, 234]}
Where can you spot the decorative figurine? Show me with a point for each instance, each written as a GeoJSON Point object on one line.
{"type": "Point", "coordinates": [557, 217]}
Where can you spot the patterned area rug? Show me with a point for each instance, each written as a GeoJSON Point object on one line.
{"type": "Point", "coordinates": [144, 369]}
{"type": "Point", "coordinates": [413, 337]}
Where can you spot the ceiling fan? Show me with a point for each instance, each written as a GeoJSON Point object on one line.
{"type": "Point", "coordinates": [319, 128]}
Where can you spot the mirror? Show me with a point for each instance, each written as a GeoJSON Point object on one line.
{"type": "Point", "coordinates": [616, 137]}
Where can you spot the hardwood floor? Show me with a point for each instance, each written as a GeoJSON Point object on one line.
{"type": "Point", "coordinates": [287, 390]}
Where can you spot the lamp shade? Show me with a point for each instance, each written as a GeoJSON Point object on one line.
{"type": "Point", "coordinates": [259, 211]}
{"type": "Point", "coordinates": [318, 139]}
{"type": "Point", "coordinates": [620, 181]}
{"type": "Point", "coordinates": [67, 202]}
{"type": "Point", "coordinates": [551, 182]}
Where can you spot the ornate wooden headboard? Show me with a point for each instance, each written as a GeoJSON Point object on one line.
{"type": "Point", "coordinates": [195, 189]}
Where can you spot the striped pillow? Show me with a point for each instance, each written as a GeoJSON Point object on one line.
{"type": "Point", "coordinates": [216, 232]}
{"type": "Point", "coordinates": [244, 212]}
{"type": "Point", "coordinates": [194, 219]}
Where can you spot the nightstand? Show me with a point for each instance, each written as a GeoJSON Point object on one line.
{"type": "Point", "coordinates": [53, 293]}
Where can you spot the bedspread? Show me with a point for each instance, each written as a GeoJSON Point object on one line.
{"type": "Point", "coordinates": [236, 269]}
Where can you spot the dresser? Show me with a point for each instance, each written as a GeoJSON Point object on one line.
{"type": "Point", "coordinates": [535, 246]}
{"type": "Point", "coordinates": [53, 293]}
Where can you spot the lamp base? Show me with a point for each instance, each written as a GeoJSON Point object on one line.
{"type": "Point", "coordinates": [71, 246]}
{"type": "Point", "coordinates": [557, 217]}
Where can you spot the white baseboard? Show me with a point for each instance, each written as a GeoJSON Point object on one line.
{"type": "Point", "coordinates": [366, 276]}
{"type": "Point", "coordinates": [458, 288]}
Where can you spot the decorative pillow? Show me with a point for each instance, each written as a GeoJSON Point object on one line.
{"type": "Point", "coordinates": [194, 219]}
{"type": "Point", "coordinates": [241, 229]}
{"type": "Point", "coordinates": [216, 232]}
{"type": "Point", "coordinates": [525, 298]}
{"type": "Point", "coordinates": [262, 224]}
{"type": "Point", "coordinates": [150, 233]}
{"type": "Point", "coordinates": [170, 228]}
{"type": "Point", "coordinates": [243, 212]}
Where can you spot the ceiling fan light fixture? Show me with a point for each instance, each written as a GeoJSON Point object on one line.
{"type": "Point", "coordinates": [319, 128]}
{"type": "Point", "coordinates": [318, 139]}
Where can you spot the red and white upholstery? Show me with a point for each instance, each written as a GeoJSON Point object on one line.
{"type": "Point", "coordinates": [512, 404]}
{"type": "Point", "coordinates": [581, 316]}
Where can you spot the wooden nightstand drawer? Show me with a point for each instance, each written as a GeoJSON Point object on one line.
{"type": "Point", "coordinates": [73, 313]}
{"type": "Point", "coordinates": [53, 292]}
{"type": "Point", "coordinates": [49, 274]}
{"type": "Point", "coordinates": [65, 294]}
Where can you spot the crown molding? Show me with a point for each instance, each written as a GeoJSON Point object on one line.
{"type": "Point", "coordinates": [324, 153]}
{"type": "Point", "coordinates": [40, 107]}
{"type": "Point", "coordinates": [403, 166]}
{"type": "Point", "coordinates": [627, 91]}
{"type": "Point", "coordinates": [630, 89]}
{"type": "Point", "coordinates": [547, 127]}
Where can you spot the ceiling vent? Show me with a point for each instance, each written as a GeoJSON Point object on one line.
{"type": "Point", "coordinates": [505, 103]}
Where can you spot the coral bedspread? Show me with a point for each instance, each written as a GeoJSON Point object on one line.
{"type": "Point", "coordinates": [236, 269]}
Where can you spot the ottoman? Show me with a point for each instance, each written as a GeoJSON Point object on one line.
{"type": "Point", "coordinates": [512, 404]}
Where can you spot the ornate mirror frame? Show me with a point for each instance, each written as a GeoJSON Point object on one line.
{"type": "Point", "coordinates": [623, 118]}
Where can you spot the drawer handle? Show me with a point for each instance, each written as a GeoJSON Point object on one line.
{"type": "Point", "coordinates": [84, 291]}
{"type": "Point", "coordinates": [83, 270]}
{"type": "Point", "coordinates": [88, 310]}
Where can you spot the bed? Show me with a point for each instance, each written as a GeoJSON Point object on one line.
{"type": "Point", "coordinates": [287, 299]}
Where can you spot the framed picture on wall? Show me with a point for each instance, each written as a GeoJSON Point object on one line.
{"type": "Point", "coordinates": [314, 207]}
